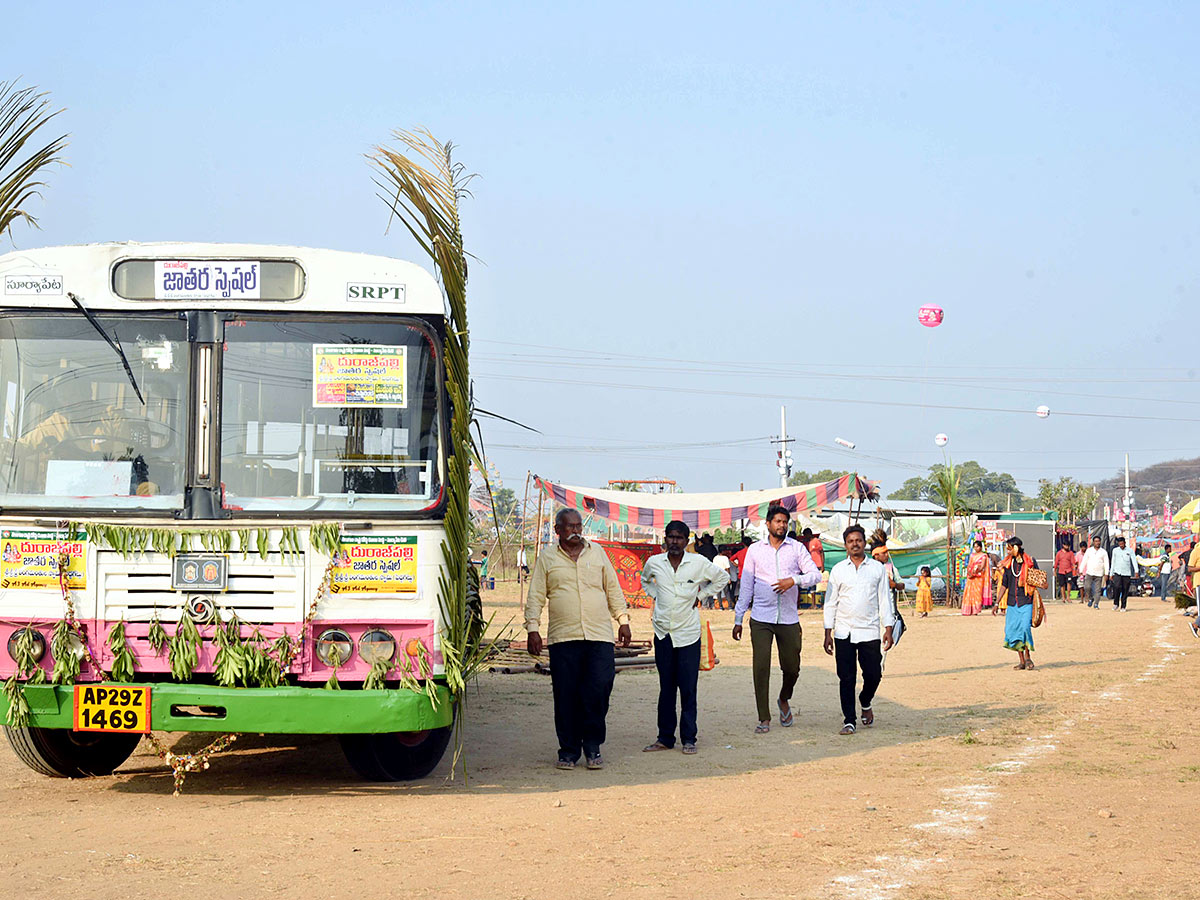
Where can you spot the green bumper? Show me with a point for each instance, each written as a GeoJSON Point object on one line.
{"type": "Point", "coordinates": [281, 710]}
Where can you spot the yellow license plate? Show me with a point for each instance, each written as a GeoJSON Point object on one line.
{"type": "Point", "coordinates": [110, 707]}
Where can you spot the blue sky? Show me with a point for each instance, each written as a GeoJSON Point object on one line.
{"type": "Point", "coordinates": [688, 214]}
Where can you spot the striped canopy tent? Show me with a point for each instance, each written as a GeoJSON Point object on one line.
{"type": "Point", "coordinates": [703, 511]}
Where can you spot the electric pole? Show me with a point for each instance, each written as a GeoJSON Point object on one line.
{"type": "Point", "coordinates": [784, 453]}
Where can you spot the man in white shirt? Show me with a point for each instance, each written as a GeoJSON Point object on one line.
{"type": "Point", "coordinates": [678, 582]}
{"type": "Point", "coordinates": [857, 601]}
{"type": "Point", "coordinates": [1095, 572]}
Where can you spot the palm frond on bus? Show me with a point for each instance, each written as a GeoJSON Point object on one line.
{"type": "Point", "coordinates": [422, 186]}
{"type": "Point", "coordinates": [23, 113]}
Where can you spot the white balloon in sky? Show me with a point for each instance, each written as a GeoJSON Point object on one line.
{"type": "Point", "coordinates": [941, 440]}
{"type": "Point", "coordinates": [1043, 412]}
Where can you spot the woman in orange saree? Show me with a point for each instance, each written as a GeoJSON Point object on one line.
{"type": "Point", "coordinates": [979, 571]}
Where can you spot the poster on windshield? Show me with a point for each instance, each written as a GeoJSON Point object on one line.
{"type": "Point", "coordinates": [30, 559]}
{"type": "Point", "coordinates": [375, 564]}
{"type": "Point", "coordinates": [360, 375]}
{"type": "Point", "coordinates": [206, 279]}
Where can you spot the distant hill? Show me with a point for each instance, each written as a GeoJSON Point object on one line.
{"type": "Point", "coordinates": [1150, 485]}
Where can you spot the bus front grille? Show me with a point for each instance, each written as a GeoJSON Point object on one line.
{"type": "Point", "coordinates": [260, 590]}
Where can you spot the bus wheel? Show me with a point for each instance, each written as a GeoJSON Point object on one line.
{"type": "Point", "coordinates": [62, 753]}
{"type": "Point", "coordinates": [400, 756]}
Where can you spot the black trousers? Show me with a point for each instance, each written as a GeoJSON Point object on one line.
{"type": "Point", "coordinates": [678, 673]}
{"type": "Point", "coordinates": [869, 657]}
{"type": "Point", "coordinates": [1119, 590]}
{"type": "Point", "coordinates": [581, 673]}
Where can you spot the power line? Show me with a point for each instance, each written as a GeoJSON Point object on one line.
{"type": "Point", "coordinates": [820, 399]}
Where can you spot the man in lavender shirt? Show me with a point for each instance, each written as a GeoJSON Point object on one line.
{"type": "Point", "coordinates": [774, 570]}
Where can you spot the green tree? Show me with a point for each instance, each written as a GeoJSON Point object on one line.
{"type": "Point", "coordinates": [947, 487]}
{"type": "Point", "coordinates": [917, 488]}
{"type": "Point", "coordinates": [1072, 500]}
{"type": "Point", "coordinates": [978, 487]}
{"type": "Point", "coordinates": [23, 112]}
{"type": "Point", "coordinates": [801, 477]}
{"type": "Point", "coordinates": [506, 502]}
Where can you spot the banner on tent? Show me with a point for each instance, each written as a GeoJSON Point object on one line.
{"type": "Point", "coordinates": [703, 512]}
{"type": "Point", "coordinates": [628, 560]}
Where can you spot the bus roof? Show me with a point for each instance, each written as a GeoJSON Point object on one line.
{"type": "Point", "coordinates": [333, 280]}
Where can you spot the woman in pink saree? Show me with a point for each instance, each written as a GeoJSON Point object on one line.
{"type": "Point", "coordinates": [979, 573]}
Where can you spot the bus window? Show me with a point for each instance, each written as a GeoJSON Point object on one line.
{"type": "Point", "coordinates": [329, 415]}
{"type": "Point", "coordinates": [74, 434]}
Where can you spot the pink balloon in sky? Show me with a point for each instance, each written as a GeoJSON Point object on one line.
{"type": "Point", "coordinates": [930, 316]}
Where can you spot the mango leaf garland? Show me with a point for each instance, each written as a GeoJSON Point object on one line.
{"type": "Point", "coordinates": [63, 651]}
{"type": "Point", "coordinates": [123, 661]}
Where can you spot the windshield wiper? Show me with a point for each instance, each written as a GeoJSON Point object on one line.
{"type": "Point", "coordinates": [114, 342]}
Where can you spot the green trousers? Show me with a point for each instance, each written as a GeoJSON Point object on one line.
{"type": "Point", "coordinates": [787, 639]}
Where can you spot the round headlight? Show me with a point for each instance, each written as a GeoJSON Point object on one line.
{"type": "Point", "coordinates": [376, 646]}
{"type": "Point", "coordinates": [333, 641]}
{"type": "Point", "coordinates": [37, 643]}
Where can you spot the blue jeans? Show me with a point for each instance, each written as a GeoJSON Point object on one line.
{"type": "Point", "coordinates": [1162, 585]}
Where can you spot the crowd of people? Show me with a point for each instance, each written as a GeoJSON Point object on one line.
{"type": "Point", "coordinates": [575, 584]}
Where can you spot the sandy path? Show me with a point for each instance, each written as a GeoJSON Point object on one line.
{"type": "Point", "coordinates": [1080, 779]}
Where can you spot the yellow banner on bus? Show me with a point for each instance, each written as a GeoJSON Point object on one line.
{"type": "Point", "coordinates": [375, 564]}
{"type": "Point", "coordinates": [30, 559]}
{"type": "Point", "coordinates": [360, 375]}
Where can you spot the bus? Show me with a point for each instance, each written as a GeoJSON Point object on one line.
{"type": "Point", "coordinates": [222, 494]}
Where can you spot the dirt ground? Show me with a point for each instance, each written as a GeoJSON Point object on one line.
{"type": "Point", "coordinates": [1078, 779]}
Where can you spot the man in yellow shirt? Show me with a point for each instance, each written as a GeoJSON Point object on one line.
{"type": "Point", "coordinates": [577, 585]}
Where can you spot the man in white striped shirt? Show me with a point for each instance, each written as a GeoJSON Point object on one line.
{"type": "Point", "coordinates": [857, 601]}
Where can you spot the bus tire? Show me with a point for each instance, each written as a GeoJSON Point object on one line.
{"type": "Point", "coordinates": [62, 753]}
{"type": "Point", "coordinates": [399, 756]}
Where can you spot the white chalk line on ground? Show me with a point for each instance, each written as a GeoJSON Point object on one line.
{"type": "Point", "coordinates": [964, 810]}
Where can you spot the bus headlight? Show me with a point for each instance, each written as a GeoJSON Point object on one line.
{"type": "Point", "coordinates": [35, 646]}
{"type": "Point", "coordinates": [376, 646]}
{"type": "Point", "coordinates": [334, 642]}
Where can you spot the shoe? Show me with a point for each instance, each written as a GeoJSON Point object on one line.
{"type": "Point", "coordinates": [564, 764]}
{"type": "Point", "coordinates": [595, 762]}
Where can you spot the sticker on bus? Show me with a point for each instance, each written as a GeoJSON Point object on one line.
{"type": "Point", "coordinates": [347, 375]}
{"type": "Point", "coordinates": [375, 564]}
{"type": "Point", "coordinates": [30, 559]}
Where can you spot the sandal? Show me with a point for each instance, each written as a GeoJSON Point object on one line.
{"type": "Point", "coordinates": [689, 749]}
{"type": "Point", "coordinates": [762, 727]}
{"type": "Point", "coordinates": [1030, 665]}
{"type": "Point", "coordinates": [848, 728]}
{"type": "Point", "coordinates": [868, 717]}
{"type": "Point", "coordinates": [655, 747]}
{"type": "Point", "coordinates": [1020, 665]}
{"type": "Point", "coordinates": [785, 719]}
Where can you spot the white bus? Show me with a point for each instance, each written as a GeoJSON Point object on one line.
{"type": "Point", "coordinates": [221, 492]}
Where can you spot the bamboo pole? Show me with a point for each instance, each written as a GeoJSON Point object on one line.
{"type": "Point", "coordinates": [524, 522]}
{"type": "Point", "coordinates": [537, 535]}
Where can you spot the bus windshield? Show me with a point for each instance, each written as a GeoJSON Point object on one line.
{"type": "Point", "coordinates": [325, 414]}
{"type": "Point", "coordinates": [74, 433]}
